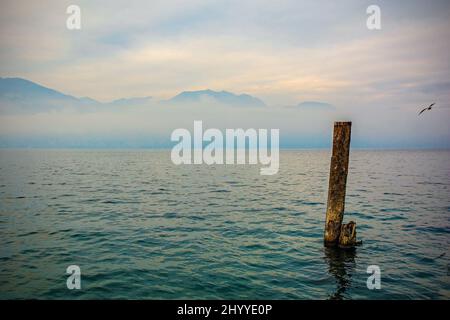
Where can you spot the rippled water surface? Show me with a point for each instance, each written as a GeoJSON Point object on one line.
{"type": "Point", "coordinates": [140, 227]}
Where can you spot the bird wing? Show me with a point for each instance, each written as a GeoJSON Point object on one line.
{"type": "Point", "coordinates": [432, 105]}
{"type": "Point", "coordinates": [422, 111]}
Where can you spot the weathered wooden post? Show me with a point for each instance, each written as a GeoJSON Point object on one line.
{"type": "Point", "coordinates": [337, 184]}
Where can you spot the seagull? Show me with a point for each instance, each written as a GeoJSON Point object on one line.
{"type": "Point", "coordinates": [427, 108]}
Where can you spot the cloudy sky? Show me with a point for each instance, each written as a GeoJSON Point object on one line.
{"type": "Point", "coordinates": [283, 52]}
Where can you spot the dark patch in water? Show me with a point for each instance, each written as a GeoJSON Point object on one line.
{"type": "Point", "coordinates": [170, 215]}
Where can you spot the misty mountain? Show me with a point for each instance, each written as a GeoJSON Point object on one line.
{"type": "Point", "coordinates": [23, 96]}
{"type": "Point", "coordinates": [315, 105]}
{"type": "Point", "coordinates": [131, 101]}
{"type": "Point", "coordinates": [219, 97]}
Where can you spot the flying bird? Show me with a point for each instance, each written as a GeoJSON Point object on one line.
{"type": "Point", "coordinates": [427, 108]}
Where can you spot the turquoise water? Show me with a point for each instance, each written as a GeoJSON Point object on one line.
{"type": "Point", "coordinates": [140, 227]}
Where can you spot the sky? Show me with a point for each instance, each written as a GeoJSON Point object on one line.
{"type": "Point", "coordinates": [283, 52]}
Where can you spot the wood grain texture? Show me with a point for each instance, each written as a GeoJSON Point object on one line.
{"type": "Point", "coordinates": [337, 182]}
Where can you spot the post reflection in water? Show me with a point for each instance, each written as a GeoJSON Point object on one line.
{"type": "Point", "coordinates": [341, 264]}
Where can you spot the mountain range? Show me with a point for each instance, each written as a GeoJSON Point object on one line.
{"type": "Point", "coordinates": [222, 97]}
{"type": "Point", "coordinates": [19, 95]}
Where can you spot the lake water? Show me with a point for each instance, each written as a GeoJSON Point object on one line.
{"type": "Point", "coordinates": [140, 227]}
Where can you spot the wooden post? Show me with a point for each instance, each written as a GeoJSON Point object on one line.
{"type": "Point", "coordinates": [337, 183]}
{"type": "Point", "coordinates": [347, 238]}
